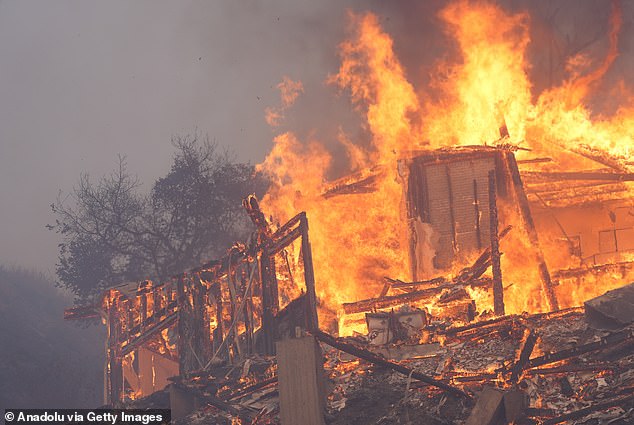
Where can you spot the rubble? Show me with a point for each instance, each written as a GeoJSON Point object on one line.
{"type": "Point", "coordinates": [251, 350]}
{"type": "Point", "coordinates": [563, 378]}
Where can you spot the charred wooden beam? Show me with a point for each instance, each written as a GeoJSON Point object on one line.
{"type": "Point", "coordinates": [226, 407]}
{"type": "Point", "coordinates": [622, 267]}
{"type": "Point", "coordinates": [469, 274]}
{"type": "Point", "coordinates": [373, 358]}
{"type": "Point", "coordinates": [452, 217]}
{"type": "Point", "coordinates": [599, 156]}
{"type": "Point", "coordinates": [114, 371]}
{"type": "Point", "coordinates": [616, 401]}
{"type": "Point", "coordinates": [498, 290]}
{"type": "Point", "coordinates": [147, 334]}
{"type": "Point", "coordinates": [364, 185]}
{"type": "Point", "coordinates": [534, 160]}
{"type": "Point", "coordinates": [527, 219]}
{"type": "Point", "coordinates": [408, 297]}
{"type": "Point", "coordinates": [528, 344]}
{"type": "Point", "coordinates": [570, 368]}
{"type": "Point", "coordinates": [479, 325]}
{"type": "Point", "coordinates": [252, 208]}
{"type": "Point", "coordinates": [251, 388]}
{"type": "Point", "coordinates": [399, 284]}
{"type": "Point", "coordinates": [309, 277]}
{"type": "Point", "coordinates": [581, 175]}
{"type": "Point", "coordinates": [476, 208]}
{"type": "Point", "coordinates": [607, 341]}
{"type": "Point", "coordinates": [270, 301]}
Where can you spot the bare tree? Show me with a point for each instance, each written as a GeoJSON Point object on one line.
{"type": "Point", "coordinates": [112, 233]}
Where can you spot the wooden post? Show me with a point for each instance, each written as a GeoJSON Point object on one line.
{"type": "Point", "coordinates": [476, 205]}
{"type": "Point", "coordinates": [529, 225]}
{"type": "Point", "coordinates": [219, 332]}
{"type": "Point", "coordinates": [115, 370]}
{"type": "Point", "coordinates": [270, 301]}
{"type": "Point", "coordinates": [498, 290]}
{"type": "Point", "coordinates": [309, 277]}
{"type": "Point", "coordinates": [300, 377]}
{"type": "Point", "coordinates": [452, 218]}
{"type": "Point", "coordinates": [182, 303]}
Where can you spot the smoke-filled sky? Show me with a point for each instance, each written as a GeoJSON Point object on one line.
{"type": "Point", "coordinates": [81, 82]}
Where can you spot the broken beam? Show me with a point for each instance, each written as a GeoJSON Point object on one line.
{"type": "Point", "coordinates": [582, 175]}
{"type": "Point", "coordinates": [373, 358]}
{"type": "Point", "coordinates": [384, 302]}
{"type": "Point", "coordinates": [498, 291]}
{"type": "Point", "coordinates": [529, 224]}
{"type": "Point", "coordinates": [617, 401]}
{"type": "Point", "coordinates": [606, 341]}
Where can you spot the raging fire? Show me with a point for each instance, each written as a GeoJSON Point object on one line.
{"type": "Point", "coordinates": [484, 98]}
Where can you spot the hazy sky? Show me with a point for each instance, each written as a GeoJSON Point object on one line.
{"type": "Point", "coordinates": [81, 82]}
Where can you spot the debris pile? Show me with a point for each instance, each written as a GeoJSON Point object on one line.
{"type": "Point", "coordinates": [545, 368]}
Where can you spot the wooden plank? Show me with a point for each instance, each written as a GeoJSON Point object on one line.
{"type": "Point", "coordinates": [300, 377]}
{"type": "Point", "coordinates": [489, 409]}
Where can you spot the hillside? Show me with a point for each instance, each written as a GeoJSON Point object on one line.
{"type": "Point", "coordinates": [45, 361]}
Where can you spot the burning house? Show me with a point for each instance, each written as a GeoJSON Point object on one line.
{"type": "Point", "coordinates": [253, 303]}
{"type": "Point", "coordinates": [467, 271]}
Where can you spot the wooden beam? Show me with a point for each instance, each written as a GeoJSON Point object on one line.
{"type": "Point", "coordinates": [529, 225]}
{"type": "Point", "coordinates": [309, 278]}
{"type": "Point", "coordinates": [498, 289]}
{"type": "Point", "coordinates": [375, 359]}
{"type": "Point", "coordinates": [384, 302]}
{"type": "Point", "coordinates": [581, 175]}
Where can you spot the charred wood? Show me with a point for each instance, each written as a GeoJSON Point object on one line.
{"type": "Point", "coordinates": [374, 359]}
{"type": "Point", "coordinates": [409, 297]}
{"type": "Point", "coordinates": [498, 291]}
{"type": "Point", "coordinates": [616, 401]}
{"type": "Point", "coordinates": [527, 219]}
{"type": "Point", "coordinates": [607, 341]}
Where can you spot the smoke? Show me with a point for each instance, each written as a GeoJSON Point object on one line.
{"type": "Point", "coordinates": [83, 83]}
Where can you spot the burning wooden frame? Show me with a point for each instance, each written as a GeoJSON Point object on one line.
{"type": "Point", "coordinates": [226, 310]}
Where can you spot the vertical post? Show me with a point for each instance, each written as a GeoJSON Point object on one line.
{"type": "Point", "coordinates": [219, 332]}
{"type": "Point", "coordinates": [529, 225]}
{"type": "Point", "coordinates": [476, 206]}
{"type": "Point", "coordinates": [248, 307]}
{"type": "Point", "coordinates": [498, 290]}
{"type": "Point", "coordinates": [452, 217]}
{"type": "Point", "coordinates": [270, 301]}
{"type": "Point", "coordinates": [181, 325]}
{"type": "Point", "coordinates": [115, 370]}
{"type": "Point", "coordinates": [309, 277]}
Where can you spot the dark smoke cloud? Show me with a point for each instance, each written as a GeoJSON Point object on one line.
{"type": "Point", "coordinates": [81, 82]}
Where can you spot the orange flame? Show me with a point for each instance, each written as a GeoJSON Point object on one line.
{"type": "Point", "coordinates": [359, 239]}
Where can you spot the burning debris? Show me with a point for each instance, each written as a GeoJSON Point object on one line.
{"type": "Point", "coordinates": [243, 350]}
{"type": "Point", "coordinates": [447, 275]}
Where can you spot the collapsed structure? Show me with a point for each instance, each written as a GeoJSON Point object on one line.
{"type": "Point", "coordinates": [211, 334]}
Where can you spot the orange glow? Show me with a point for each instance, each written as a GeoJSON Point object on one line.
{"type": "Point", "coordinates": [358, 239]}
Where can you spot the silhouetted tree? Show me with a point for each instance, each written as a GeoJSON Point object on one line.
{"type": "Point", "coordinates": [112, 233]}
